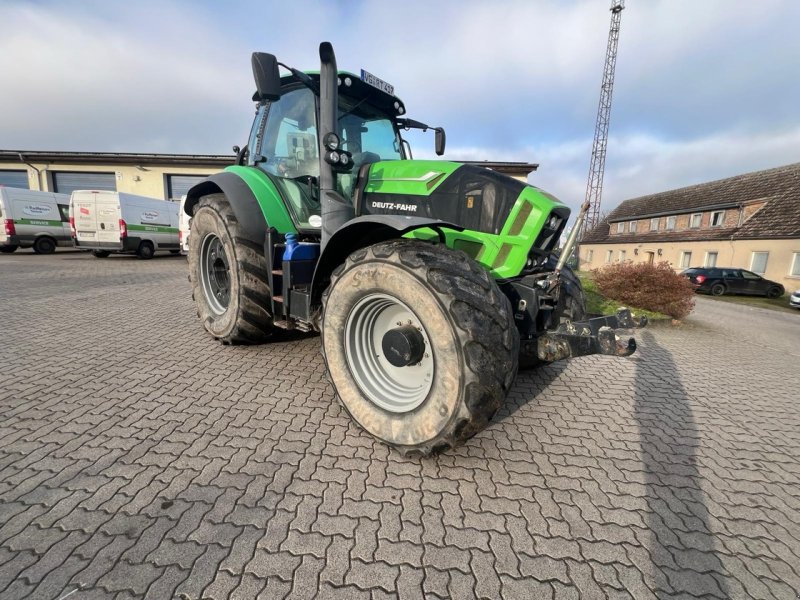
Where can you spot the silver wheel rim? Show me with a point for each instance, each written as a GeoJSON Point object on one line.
{"type": "Point", "coordinates": [215, 274]}
{"type": "Point", "coordinates": [395, 389]}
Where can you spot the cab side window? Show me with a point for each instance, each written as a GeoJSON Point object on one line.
{"type": "Point", "coordinates": [289, 145]}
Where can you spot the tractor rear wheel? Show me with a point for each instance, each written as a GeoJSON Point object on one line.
{"type": "Point", "coordinates": [228, 273]}
{"type": "Point", "coordinates": [420, 344]}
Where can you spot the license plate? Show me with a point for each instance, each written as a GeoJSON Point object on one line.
{"type": "Point", "coordinates": [369, 78]}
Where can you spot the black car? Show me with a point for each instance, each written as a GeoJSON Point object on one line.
{"type": "Point", "coordinates": [718, 281]}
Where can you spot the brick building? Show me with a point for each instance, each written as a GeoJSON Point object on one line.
{"type": "Point", "coordinates": [750, 221]}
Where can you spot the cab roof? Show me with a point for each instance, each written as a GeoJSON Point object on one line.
{"type": "Point", "coordinates": [357, 90]}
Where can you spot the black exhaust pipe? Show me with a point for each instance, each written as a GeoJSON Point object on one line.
{"type": "Point", "coordinates": [336, 210]}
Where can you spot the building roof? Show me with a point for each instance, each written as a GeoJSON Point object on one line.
{"type": "Point", "coordinates": [128, 158]}
{"type": "Point", "coordinates": [779, 188]}
{"type": "Point", "coordinates": [722, 193]}
{"type": "Point", "coordinates": [779, 218]}
{"type": "Point", "coordinates": [519, 169]}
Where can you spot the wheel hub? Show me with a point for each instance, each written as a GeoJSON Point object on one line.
{"type": "Point", "coordinates": [215, 274]}
{"type": "Point", "coordinates": [389, 353]}
{"type": "Point", "coordinates": [403, 346]}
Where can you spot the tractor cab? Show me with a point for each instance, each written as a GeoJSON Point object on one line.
{"type": "Point", "coordinates": [283, 140]}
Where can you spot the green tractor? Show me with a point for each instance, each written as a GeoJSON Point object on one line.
{"type": "Point", "coordinates": [430, 282]}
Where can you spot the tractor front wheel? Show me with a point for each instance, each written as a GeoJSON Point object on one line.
{"type": "Point", "coordinates": [420, 344]}
{"type": "Point", "coordinates": [228, 274]}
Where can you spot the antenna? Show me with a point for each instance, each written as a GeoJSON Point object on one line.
{"type": "Point", "coordinates": [594, 188]}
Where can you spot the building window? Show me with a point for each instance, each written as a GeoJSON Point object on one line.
{"type": "Point", "coordinates": [696, 220]}
{"type": "Point", "coordinates": [178, 185]}
{"type": "Point", "coordinates": [632, 227]}
{"type": "Point", "coordinates": [620, 227]}
{"type": "Point", "coordinates": [654, 224]}
{"type": "Point", "coordinates": [589, 256]}
{"type": "Point", "coordinates": [15, 179]}
{"type": "Point", "coordinates": [671, 222]}
{"type": "Point", "coordinates": [717, 218]}
{"type": "Point", "coordinates": [795, 272]}
{"type": "Point", "coordinates": [622, 256]}
{"type": "Point", "coordinates": [609, 256]}
{"type": "Point", "coordinates": [686, 259]}
{"type": "Point", "coordinates": [711, 259]}
{"type": "Point", "coordinates": [758, 262]}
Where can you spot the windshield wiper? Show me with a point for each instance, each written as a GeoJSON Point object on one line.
{"type": "Point", "coordinates": [302, 78]}
{"type": "Point", "coordinates": [347, 112]}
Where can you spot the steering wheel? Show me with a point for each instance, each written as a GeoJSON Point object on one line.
{"type": "Point", "coordinates": [311, 181]}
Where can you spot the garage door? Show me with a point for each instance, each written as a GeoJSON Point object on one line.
{"type": "Point", "coordinates": [16, 179]}
{"type": "Point", "coordinates": [66, 183]}
{"type": "Point", "coordinates": [178, 185]}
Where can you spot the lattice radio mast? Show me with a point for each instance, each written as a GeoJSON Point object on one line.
{"type": "Point", "coordinates": [594, 189]}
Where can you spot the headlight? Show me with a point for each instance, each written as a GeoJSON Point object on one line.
{"type": "Point", "coordinates": [331, 141]}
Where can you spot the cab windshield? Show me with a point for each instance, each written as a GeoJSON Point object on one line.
{"type": "Point", "coordinates": [366, 133]}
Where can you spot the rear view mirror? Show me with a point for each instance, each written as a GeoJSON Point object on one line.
{"type": "Point", "coordinates": [440, 141]}
{"type": "Point", "coordinates": [268, 79]}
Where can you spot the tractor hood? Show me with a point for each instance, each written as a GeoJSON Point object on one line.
{"type": "Point", "coordinates": [504, 219]}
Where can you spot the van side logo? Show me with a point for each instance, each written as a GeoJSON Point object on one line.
{"type": "Point", "coordinates": [150, 215]}
{"type": "Point", "coordinates": [84, 210]}
{"type": "Point", "coordinates": [35, 210]}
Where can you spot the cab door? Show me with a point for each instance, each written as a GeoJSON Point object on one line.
{"type": "Point", "coordinates": [63, 211]}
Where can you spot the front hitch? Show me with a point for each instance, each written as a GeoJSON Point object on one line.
{"type": "Point", "coordinates": [593, 336]}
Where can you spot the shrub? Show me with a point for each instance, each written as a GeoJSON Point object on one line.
{"type": "Point", "coordinates": [653, 287]}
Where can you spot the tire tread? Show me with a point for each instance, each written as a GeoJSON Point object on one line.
{"type": "Point", "coordinates": [253, 324]}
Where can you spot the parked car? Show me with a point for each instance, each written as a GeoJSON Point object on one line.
{"type": "Point", "coordinates": [32, 219]}
{"type": "Point", "coordinates": [718, 281]}
{"type": "Point", "coordinates": [106, 222]}
{"type": "Point", "coordinates": [794, 299]}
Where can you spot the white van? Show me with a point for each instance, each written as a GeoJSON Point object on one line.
{"type": "Point", "coordinates": [106, 222]}
{"type": "Point", "coordinates": [184, 225]}
{"type": "Point", "coordinates": [31, 219]}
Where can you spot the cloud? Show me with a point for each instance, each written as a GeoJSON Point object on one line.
{"type": "Point", "coordinates": [703, 90]}
{"type": "Point", "coordinates": [644, 164]}
{"type": "Point", "coordinates": [87, 81]}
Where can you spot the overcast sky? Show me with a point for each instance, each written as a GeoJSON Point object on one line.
{"type": "Point", "coordinates": [704, 88]}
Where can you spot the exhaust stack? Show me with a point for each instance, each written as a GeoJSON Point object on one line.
{"type": "Point", "coordinates": [336, 210]}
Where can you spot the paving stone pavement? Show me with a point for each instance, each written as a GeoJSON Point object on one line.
{"type": "Point", "coordinates": [139, 459]}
